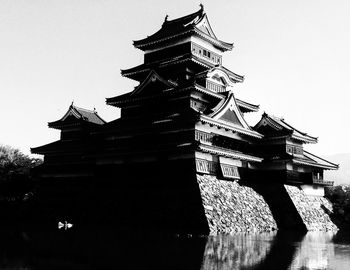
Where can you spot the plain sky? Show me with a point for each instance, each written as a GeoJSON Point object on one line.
{"type": "Point", "coordinates": [295, 56]}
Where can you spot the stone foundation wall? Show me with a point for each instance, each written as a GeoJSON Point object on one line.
{"type": "Point", "coordinates": [313, 210]}
{"type": "Point", "coordinates": [230, 207]}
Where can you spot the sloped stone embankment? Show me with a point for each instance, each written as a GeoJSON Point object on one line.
{"type": "Point", "coordinates": [313, 210]}
{"type": "Point", "coordinates": [230, 207]}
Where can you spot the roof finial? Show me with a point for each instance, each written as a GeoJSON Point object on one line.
{"type": "Point", "coordinates": [201, 6]}
{"type": "Point", "coordinates": [165, 19]}
{"type": "Point", "coordinates": [72, 104]}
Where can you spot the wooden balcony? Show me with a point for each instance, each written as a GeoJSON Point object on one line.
{"type": "Point", "coordinates": [307, 178]}
{"type": "Point", "coordinates": [322, 182]}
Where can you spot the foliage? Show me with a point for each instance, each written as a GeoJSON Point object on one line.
{"type": "Point", "coordinates": [15, 181]}
{"type": "Point", "coordinates": [13, 161]}
{"type": "Point", "coordinates": [340, 197]}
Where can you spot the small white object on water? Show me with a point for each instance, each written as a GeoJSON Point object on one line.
{"type": "Point", "coordinates": [65, 225]}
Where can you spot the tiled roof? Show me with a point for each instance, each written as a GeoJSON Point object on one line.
{"type": "Point", "coordinates": [129, 98]}
{"type": "Point", "coordinates": [147, 67]}
{"type": "Point", "coordinates": [178, 27]}
{"type": "Point", "coordinates": [281, 126]}
{"type": "Point", "coordinates": [246, 107]}
{"type": "Point", "coordinates": [58, 146]}
{"type": "Point", "coordinates": [313, 160]}
{"type": "Point", "coordinates": [90, 116]}
{"type": "Point", "coordinates": [171, 27]}
{"type": "Point", "coordinates": [80, 114]}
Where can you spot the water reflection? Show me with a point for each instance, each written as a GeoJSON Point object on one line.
{"type": "Point", "coordinates": [238, 251]}
{"type": "Point", "coordinates": [101, 248]}
{"type": "Point", "coordinates": [314, 252]}
{"type": "Point", "coordinates": [283, 250]}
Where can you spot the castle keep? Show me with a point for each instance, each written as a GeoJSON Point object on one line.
{"type": "Point", "coordinates": [181, 156]}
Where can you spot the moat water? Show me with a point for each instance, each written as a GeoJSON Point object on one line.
{"type": "Point", "coordinates": [101, 248]}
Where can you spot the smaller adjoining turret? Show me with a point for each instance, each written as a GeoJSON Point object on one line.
{"type": "Point", "coordinates": [285, 159]}
{"type": "Point", "coordinates": [75, 125]}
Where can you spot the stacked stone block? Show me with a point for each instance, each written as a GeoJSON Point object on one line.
{"type": "Point", "coordinates": [314, 210]}
{"type": "Point", "coordinates": [231, 207]}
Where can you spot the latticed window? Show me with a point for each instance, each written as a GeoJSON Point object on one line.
{"type": "Point", "coordinates": [206, 54]}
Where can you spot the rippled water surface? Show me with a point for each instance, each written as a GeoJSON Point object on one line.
{"type": "Point", "coordinates": [101, 248]}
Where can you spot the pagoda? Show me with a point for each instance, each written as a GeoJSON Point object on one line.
{"type": "Point", "coordinates": [182, 120]}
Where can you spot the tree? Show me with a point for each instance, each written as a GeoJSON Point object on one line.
{"type": "Point", "coordinates": [15, 180]}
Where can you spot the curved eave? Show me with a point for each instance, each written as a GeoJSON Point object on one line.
{"type": "Point", "coordinates": [208, 92]}
{"type": "Point", "coordinates": [293, 133]}
{"type": "Point", "coordinates": [178, 24]}
{"type": "Point", "coordinates": [315, 164]}
{"type": "Point", "coordinates": [221, 124]}
{"type": "Point", "coordinates": [228, 153]}
{"type": "Point", "coordinates": [59, 124]}
{"type": "Point", "coordinates": [127, 100]}
{"type": "Point", "coordinates": [305, 139]}
{"type": "Point", "coordinates": [147, 43]}
{"type": "Point", "coordinates": [247, 107]}
{"type": "Point", "coordinates": [134, 72]}
{"type": "Point", "coordinates": [144, 44]}
{"type": "Point", "coordinates": [47, 148]}
{"type": "Point", "coordinates": [296, 134]}
{"type": "Point", "coordinates": [321, 161]}
{"type": "Point", "coordinates": [222, 45]}
{"type": "Point", "coordinates": [237, 77]}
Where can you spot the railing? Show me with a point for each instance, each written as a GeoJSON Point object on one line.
{"type": "Point", "coordinates": [307, 178]}
{"type": "Point", "coordinates": [322, 182]}
{"type": "Point", "coordinates": [215, 87]}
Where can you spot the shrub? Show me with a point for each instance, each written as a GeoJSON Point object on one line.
{"type": "Point", "coordinates": [15, 180]}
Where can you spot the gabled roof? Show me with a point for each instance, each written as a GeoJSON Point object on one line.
{"type": "Point", "coordinates": [75, 113]}
{"type": "Point", "coordinates": [272, 126]}
{"type": "Point", "coordinates": [315, 161]}
{"type": "Point", "coordinates": [193, 24]}
{"type": "Point", "coordinates": [127, 98]}
{"type": "Point", "coordinates": [152, 86]}
{"type": "Point", "coordinates": [229, 106]}
{"type": "Point", "coordinates": [153, 83]}
{"type": "Point", "coordinates": [227, 115]}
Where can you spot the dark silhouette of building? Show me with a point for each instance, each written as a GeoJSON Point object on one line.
{"type": "Point", "coordinates": [181, 120]}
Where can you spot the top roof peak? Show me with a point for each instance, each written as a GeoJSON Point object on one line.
{"type": "Point", "coordinates": [192, 24]}
{"type": "Point", "coordinates": [187, 18]}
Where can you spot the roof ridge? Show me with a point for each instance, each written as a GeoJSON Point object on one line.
{"type": "Point", "coordinates": [198, 12]}
{"type": "Point", "coordinates": [275, 118]}
{"type": "Point", "coordinates": [83, 109]}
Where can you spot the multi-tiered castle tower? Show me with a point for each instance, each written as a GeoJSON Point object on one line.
{"type": "Point", "coordinates": [180, 127]}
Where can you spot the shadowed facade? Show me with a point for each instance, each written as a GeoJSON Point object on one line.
{"type": "Point", "coordinates": [183, 121]}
